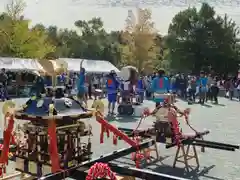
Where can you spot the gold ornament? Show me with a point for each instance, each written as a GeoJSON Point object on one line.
{"type": "Point", "coordinates": [98, 105]}
{"type": "Point", "coordinates": [51, 109]}
{"type": "Point", "coordinates": [8, 107]}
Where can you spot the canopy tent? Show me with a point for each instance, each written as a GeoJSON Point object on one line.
{"type": "Point", "coordinates": [19, 64]}
{"type": "Point", "coordinates": [33, 65]}
{"type": "Point", "coordinates": [93, 66]}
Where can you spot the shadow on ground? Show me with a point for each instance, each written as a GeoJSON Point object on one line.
{"type": "Point", "coordinates": [127, 118]}
{"type": "Point", "coordinates": [158, 166]}
{"type": "Point", "coordinates": [123, 119]}
{"type": "Point", "coordinates": [194, 174]}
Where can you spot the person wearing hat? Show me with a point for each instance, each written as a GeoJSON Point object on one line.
{"type": "Point", "coordinates": [112, 86]}
{"type": "Point", "coordinates": [160, 86]}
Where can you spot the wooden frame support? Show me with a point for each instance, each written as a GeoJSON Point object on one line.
{"type": "Point", "coordinates": [147, 151]}
{"type": "Point", "coordinates": [17, 174]}
{"type": "Point", "coordinates": [183, 155]}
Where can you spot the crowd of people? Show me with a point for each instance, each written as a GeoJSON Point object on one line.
{"type": "Point", "coordinates": [188, 87]}
{"type": "Point", "coordinates": [204, 87]}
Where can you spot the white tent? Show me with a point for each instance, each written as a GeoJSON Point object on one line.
{"type": "Point", "coordinates": [93, 66]}
{"type": "Point", "coordinates": [19, 64]}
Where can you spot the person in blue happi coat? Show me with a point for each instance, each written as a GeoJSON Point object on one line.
{"type": "Point", "coordinates": [202, 87]}
{"type": "Point", "coordinates": [81, 87]}
{"type": "Point", "coordinates": [160, 86]}
{"type": "Point", "coordinates": [112, 86]}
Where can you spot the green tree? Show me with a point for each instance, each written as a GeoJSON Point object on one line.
{"type": "Point", "coordinates": [93, 34]}
{"type": "Point", "coordinates": [96, 43]}
{"type": "Point", "coordinates": [200, 39]}
{"type": "Point", "coordinates": [17, 39]}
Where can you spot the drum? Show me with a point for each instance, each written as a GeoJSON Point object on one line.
{"type": "Point", "coordinates": [129, 73]}
{"type": "Point", "coordinates": [125, 110]}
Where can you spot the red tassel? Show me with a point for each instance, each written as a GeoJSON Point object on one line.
{"type": "Point", "coordinates": [6, 140]}
{"type": "Point", "coordinates": [101, 134]}
{"type": "Point", "coordinates": [133, 156]}
{"type": "Point", "coordinates": [137, 163]}
{"type": "Point", "coordinates": [114, 139]}
{"type": "Point", "coordinates": [108, 133]}
{"type": "Point", "coordinates": [101, 138]}
{"type": "Point", "coordinates": [1, 172]}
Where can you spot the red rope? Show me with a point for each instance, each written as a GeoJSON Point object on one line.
{"type": "Point", "coordinates": [172, 117]}
{"type": "Point", "coordinates": [102, 134]}
{"type": "Point", "coordinates": [138, 156]}
{"type": "Point", "coordinates": [100, 170]}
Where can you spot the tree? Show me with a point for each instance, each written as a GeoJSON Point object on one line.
{"type": "Point", "coordinates": [15, 9]}
{"type": "Point", "coordinates": [139, 41]}
{"type": "Point", "coordinates": [198, 40]}
{"type": "Point", "coordinates": [17, 39]}
{"type": "Point", "coordinates": [92, 37]}
{"type": "Point", "coordinates": [96, 43]}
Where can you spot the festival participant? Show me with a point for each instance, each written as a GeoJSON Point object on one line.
{"type": "Point", "coordinates": [140, 89]}
{"type": "Point", "coordinates": [202, 87]}
{"type": "Point", "coordinates": [238, 88]}
{"type": "Point", "coordinates": [3, 84]}
{"type": "Point", "coordinates": [191, 90]}
{"type": "Point", "coordinates": [215, 91]}
{"type": "Point", "coordinates": [38, 87]}
{"type": "Point", "coordinates": [112, 89]}
{"type": "Point", "coordinates": [81, 85]}
{"type": "Point", "coordinates": [160, 86]}
{"type": "Point", "coordinates": [209, 95]}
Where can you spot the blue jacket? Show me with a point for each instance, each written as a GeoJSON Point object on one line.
{"type": "Point", "coordinates": [202, 83]}
{"type": "Point", "coordinates": [112, 85]}
{"type": "Point", "coordinates": [160, 85]}
{"type": "Point", "coordinates": [81, 82]}
{"type": "Point", "coordinates": [140, 86]}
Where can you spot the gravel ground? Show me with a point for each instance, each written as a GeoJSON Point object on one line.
{"type": "Point", "coordinates": [222, 121]}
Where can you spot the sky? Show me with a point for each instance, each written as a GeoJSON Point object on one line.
{"type": "Point", "coordinates": [63, 13]}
